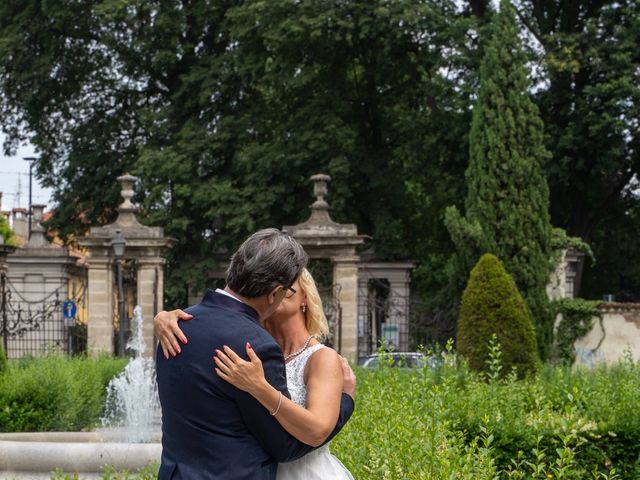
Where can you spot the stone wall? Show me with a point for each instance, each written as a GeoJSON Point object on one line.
{"type": "Point", "coordinates": [616, 335]}
{"type": "Point", "coordinates": [38, 276]}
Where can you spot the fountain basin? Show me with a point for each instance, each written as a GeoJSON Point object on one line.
{"type": "Point", "coordinates": [35, 455]}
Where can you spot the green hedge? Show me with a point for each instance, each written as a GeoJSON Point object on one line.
{"type": "Point", "coordinates": [452, 423]}
{"type": "Point", "coordinates": [449, 423]}
{"type": "Point", "coordinates": [54, 393]}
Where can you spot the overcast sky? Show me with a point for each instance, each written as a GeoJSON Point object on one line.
{"type": "Point", "coordinates": [14, 180]}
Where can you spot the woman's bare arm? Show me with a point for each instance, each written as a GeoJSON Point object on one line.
{"type": "Point", "coordinates": [167, 331]}
{"type": "Point", "coordinates": [324, 380]}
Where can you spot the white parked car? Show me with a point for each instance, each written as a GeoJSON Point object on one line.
{"type": "Point", "coordinates": [400, 359]}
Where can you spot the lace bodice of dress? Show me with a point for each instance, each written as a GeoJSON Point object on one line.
{"type": "Point", "coordinates": [319, 464]}
{"type": "Point", "coordinates": [295, 375]}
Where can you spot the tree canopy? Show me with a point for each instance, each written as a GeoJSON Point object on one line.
{"type": "Point", "coordinates": [507, 204]}
{"type": "Point", "coordinates": [224, 109]}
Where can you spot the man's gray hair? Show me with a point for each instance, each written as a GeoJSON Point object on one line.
{"type": "Point", "coordinates": [266, 259]}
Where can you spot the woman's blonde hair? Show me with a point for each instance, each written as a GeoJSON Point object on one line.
{"type": "Point", "coordinates": [315, 319]}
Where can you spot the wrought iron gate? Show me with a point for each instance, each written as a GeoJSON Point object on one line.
{"type": "Point", "coordinates": [322, 272]}
{"type": "Point", "coordinates": [333, 312]}
{"type": "Point", "coordinates": [35, 327]}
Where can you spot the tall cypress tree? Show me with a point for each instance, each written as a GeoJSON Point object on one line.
{"type": "Point", "coordinates": [507, 204]}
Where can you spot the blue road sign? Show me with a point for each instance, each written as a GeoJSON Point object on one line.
{"type": "Point", "coordinates": [69, 310]}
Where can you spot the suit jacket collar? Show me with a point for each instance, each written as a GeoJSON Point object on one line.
{"type": "Point", "coordinates": [215, 299]}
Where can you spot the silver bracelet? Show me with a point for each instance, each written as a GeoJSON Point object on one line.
{"type": "Point", "coordinates": [275, 412]}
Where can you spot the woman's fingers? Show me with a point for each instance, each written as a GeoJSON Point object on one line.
{"type": "Point", "coordinates": [232, 355]}
{"type": "Point", "coordinates": [182, 315]}
{"type": "Point", "coordinates": [167, 347]}
{"type": "Point", "coordinates": [252, 354]}
{"type": "Point", "coordinates": [223, 375]}
{"type": "Point", "coordinates": [349, 379]}
{"type": "Point", "coordinates": [177, 333]}
{"type": "Point", "coordinates": [222, 356]}
{"type": "Point", "coordinates": [222, 365]}
{"type": "Point", "coordinates": [237, 371]}
{"type": "Point", "coordinates": [173, 344]}
{"type": "Point", "coordinates": [167, 331]}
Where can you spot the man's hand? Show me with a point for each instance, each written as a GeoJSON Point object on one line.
{"type": "Point", "coordinates": [166, 330]}
{"type": "Point", "coordinates": [349, 382]}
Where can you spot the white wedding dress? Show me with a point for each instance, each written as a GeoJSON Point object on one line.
{"type": "Point", "coordinates": [320, 464]}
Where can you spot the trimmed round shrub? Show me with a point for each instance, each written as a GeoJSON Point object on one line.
{"type": "Point", "coordinates": [491, 304]}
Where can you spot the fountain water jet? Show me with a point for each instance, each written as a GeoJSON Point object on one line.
{"type": "Point", "coordinates": [132, 396]}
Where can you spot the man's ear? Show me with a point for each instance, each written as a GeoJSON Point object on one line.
{"type": "Point", "coordinates": [271, 297]}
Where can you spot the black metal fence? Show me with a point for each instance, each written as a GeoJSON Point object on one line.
{"type": "Point", "coordinates": [333, 312]}
{"type": "Point", "coordinates": [129, 298]}
{"type": "Point", "coordinates": [429, 325]}
{"type": "Point", "coordinates": [419, 323]}
{"type": "Point", "coordinates": [33, 327]}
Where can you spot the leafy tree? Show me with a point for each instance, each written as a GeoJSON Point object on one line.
{"type": "Point", "coordinates": [491, 305]}
{"type": "Point", "coordinates": [5, 230]}
{"type": "Point", "coordinates": [224, 109]}
{"type": "Point", "coordinates": [616, 241]}
{"type": "Point", "coordinates": [507, 203]}
{"type": "Point", "coordinates": [589, 54]}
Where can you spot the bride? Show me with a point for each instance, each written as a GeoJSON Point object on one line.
{"type": "Point", "coordinates": [316, 377]}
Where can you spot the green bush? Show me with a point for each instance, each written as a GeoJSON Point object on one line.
{"type": "Point", "coordinates": [426, 424]}
{"type": "Point", "coordinates": [452, 423]}
{"type": "Point", "coordinates": [55, 393]}
{"type": "Point", "coordinates": [491, 305]}
{"type": "Point", "coordinates": [150, 472]}
{"type": "Point", "coordinates": [3, 360]}
{"type": "Point", "coordinates": [399, 432]}
{"type": "Point", "coordinates": [5, 231]}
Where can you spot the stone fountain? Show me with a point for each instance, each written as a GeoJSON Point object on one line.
{"type": "Point", "coordinates": [132, 395]}
{"type": "Point", "coordinates": [130, 441]}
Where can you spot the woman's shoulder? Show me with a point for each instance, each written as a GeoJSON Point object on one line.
{"type": "Point", "coordinates": [324, 357]}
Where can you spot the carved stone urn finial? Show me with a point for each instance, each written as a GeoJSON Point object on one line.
{"type": "Point", "coordinates": [127, 182]}
{"type": "Point", "coordinates": [127, 210]}
{"type": "Point", "coordinates": [38, 238]}
{"type": "Point", "coordinates": [320, 208]}
{"type": "Point", "coordinates": [320, 181]}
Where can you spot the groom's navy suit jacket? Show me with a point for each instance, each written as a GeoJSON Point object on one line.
{"type": "Point", "coordinates": [210, 429]}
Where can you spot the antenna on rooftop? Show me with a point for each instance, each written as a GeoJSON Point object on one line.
{"type": "Point", "coordinates": [17, 200]}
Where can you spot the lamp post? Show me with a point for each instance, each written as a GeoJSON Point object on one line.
{"type": "Point", "coordinates": [118, 243]}
{"type": "Point", "coordinates": [31, 161]}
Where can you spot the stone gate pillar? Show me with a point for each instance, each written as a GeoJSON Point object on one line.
{"type": "Point", "coordinates": [100, 296]}
{"type": "Point", "coordinates": [145, 249]}
{"type": "Point", "coordinates": [150, 293]}
{"type": "Point", "coordinates": [345, 277]}
{"type": "Point", "coordinates": [321, 237]}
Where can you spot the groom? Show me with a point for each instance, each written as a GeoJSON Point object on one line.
{"type": "Point", "coordinates": [210, 429]}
